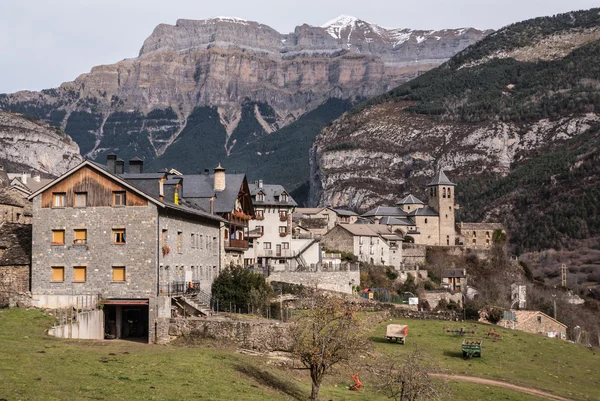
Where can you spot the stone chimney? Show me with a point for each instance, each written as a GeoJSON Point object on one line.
{"type": "Point", "coordinates": [119, 166]}
{"type": "Point", "coordinates": [260, 184]}
{"type": "Point", "coordinates": [111, 160]}
{"type": "Point", "coordinates": [24, 178]}
{"type": "Point", "coordinates": [136, 166]}
{"type": "Point", "coordinates": [219, 178]}
{"type": "Point", "coordinates": [35, 176]}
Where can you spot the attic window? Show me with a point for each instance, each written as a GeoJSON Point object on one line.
{"type": "Point", "coordinates": [80, 199]}
{"type": "Point", "coordinates": [425, 220]}
{"type": "Point", "coordinates": [119, 198]}
{"type": "Point", "coordinates": [58, 200]}
{"type": "Point", "coordinates": [260, 196]}
{"type": "Point", "coordinates": [284, 197]}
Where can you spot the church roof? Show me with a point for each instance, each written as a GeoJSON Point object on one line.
{"type": "Point", "coordinates": [410, 200]}
{"type": "Point", "coordinates": [423, 211]}
{"type": "Point", "coordinates": [385, 211]}
{"type": "Point", "coordinates": [393, 221]}
{"type": "Point", "coordinates": [440, 179]}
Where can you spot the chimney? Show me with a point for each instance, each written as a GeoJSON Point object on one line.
{"type": "Point", "coordinates": [35, 176]}
{"type": "Point", "coordinates": [119, 166]}
{"type": "Point", "coordinates": [212, 205]}
{"type": "Point", "coordinates": [24, 178]}
{"type": "Point", "coordinates": [161, 189]}
{"type": "Point", "coordinates": [136, 166]}
{"type": "Point", "coordinates": [111, 159]}
{"type": "Point", "coordinates": [260, 184]}
{"type": "Point", "coordinates": [206, 171]}
{"type": "Point", "coordinates": [219, 184]}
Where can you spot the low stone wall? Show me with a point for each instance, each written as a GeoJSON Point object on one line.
{"type": "Point", "coordinates": [259, 335]}
{"type": "Point", "coordinates": [433, 298]}
{"type": "Point", "coordinates": [338, 281]}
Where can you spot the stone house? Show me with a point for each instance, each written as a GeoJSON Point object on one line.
{"type": "Point", "coordinates": [538, 323]}
{"type": "Point", "coordinates": [14, 206]}
{"type": "Point", "coordinates": [319, 220]}
{"type": "Point", "coordinates": [370, 243]}
{"type": "Point", "coordinates": [128, 241]}
{"type": "Point", "coordinates": [478, 235]}
{"type": "Point", "coordinates": [454, 280]}
{"type": "Point", "coordinates": [27, 182]}
{"type": "Point", "coordinates": [15, 262]}
{"type": "Point", "coordinates": [272, 246]}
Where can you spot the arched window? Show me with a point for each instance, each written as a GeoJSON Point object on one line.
{"type": "Point", "coordinates": [425, 220]}
{"type": "Point", "coordinates": [443, 192]}
{"type": "Point", "coordinates": [448, 192]}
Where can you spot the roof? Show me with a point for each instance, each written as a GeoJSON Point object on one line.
{"type": "Point", "coordinates": [32, 185]}
{"type": "Point", "coordinates": [199, 188]}
{"type": "Point", "coordinates": [394, 221]}
{"type": "Point", "coordinates": [363, 230]}
{"type": "Point", "coordinates": [481, 226]}
{"type": "Point", "coordinates": [410, 200]}
{"type": "Point", "coordinates": [8, 196]}
{"type": "Point", "coordinates": [344, 212]}
{"type": "Point", "coordinates": [459, 273]}
{"type": "Point", "coordinates": [309, 210]}
{"type": "Point", "coordinates": [423, 211]}
{"type": "Point", "coordinates": [15, 244]}
{"type": "Point", "coordinates": [523, 316]}
{"type": "Point", "coordinates": [272, 195]}
{"type": "Point", "coordinates": [385, 211]}
{"type": "Point", "coordinates": [440, 179]}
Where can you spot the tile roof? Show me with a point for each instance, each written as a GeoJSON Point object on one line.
{"type": "Point", "coordinates": [524, 316]}
{"type": "Point", "coordinates": [394, 221]}
{"type": "Point", "coordinates": [459, 273]}
{"type": "Point", "coordinates": [15, 244]}
{"type": "Point", "coordinates": [272, 195]}
{"type": "Point", "coordinates": [440, 179]}
{"type": "Point", "coordinates": [410, 200]}
{"type": "Point", "coordinates": [363, 230]}
{"type": "Point", "coordinates": [423, 211]}
{"type": "Point", "coordinates": [385, 211]}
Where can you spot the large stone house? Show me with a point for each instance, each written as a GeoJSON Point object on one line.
{"type": "Point", "coordinates": [536, 322]}
{"type": "Point", "coordinates": [272, 245]}
{"type": "Point", "coordinates": [127, 241]}
{"type": "Point", "coordinates": [478, 235]}
{"type": "Point", "coordinates": [317, 221]}
{"type": "Point", "coordinates": [370, 243]}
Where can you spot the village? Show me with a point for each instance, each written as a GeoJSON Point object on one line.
{"type": "Point", "coordinates": [129, 250]}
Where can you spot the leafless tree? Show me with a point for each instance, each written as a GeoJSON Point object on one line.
{"type": "Point", "coordinates": [328, 334]}
{"type": "Point", "coordinates": [409, 378]}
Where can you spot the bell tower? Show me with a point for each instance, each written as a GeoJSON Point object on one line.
{"type": "Point", "coordinates": [441, 199]}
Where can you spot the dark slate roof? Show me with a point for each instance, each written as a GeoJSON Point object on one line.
{"type": "Point", "coordinates": [385, 211]}
{"type": "Point", "coordinates": [393, 221]}
{"type": "Point", "coordinates": [423, 211]}
{"type": "Point", "coordinates": [272, 194]}
{"type": "Point", "coordinates": [344, 212]}
{"type": "Point", "coordinates": [197, 186]}
{"type": "Point", "coordinates": [440, 179]}
{"type": "Point", "coordinates": [15, 244]}
{"type": "Point", "coordinates": [461, 273]}
{"type": "Point", "coordinates": [142, 176]}
{"type": "Point", "coordinates": [410, 200]}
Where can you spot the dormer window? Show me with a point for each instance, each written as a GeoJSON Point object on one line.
{"type": "Point", "coordinates": [260, 197]}
{"type": "Point", "coordinates": [284, 197]}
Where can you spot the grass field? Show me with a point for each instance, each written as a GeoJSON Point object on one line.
{"type": "Point", "coordinates": [34, 366]}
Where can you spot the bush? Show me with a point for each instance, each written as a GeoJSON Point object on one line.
{"type": "Point", "coordinates": [241, 288]}
{"type": "Point", "coordinates": [471, 312]}
{"type": "Point", "coordinates": [391, 273]}
{"type": "Point", "coordinates": [494, 315]}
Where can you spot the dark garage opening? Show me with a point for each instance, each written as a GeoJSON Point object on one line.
{"type": "Point", "coordinates": [126, 320]}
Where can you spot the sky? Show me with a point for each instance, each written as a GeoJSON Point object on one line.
{"type": "Point", "coordinates": [45, 43]}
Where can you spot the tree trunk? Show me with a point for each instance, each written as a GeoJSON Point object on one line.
{"type": "Point", "coordinates": [315, 392]}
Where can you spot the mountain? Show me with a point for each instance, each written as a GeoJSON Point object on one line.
{"type": "Point", "coordinates": [202, 91]}
{"type": "Point", "coordinates": [496, 117]}
{"type": "Point", "coordinates": [26, 144]}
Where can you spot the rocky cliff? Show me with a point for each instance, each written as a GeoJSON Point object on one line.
{"type": "Point", "coordinates": [37, 145]}
{"type": "Point", "coordinates": [221, 83]}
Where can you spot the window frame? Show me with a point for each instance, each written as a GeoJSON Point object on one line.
{"type": "Point", "coordinates": [85, 198]}
{"type": "Point", "coordinates": [52, 242]}
{"type": "Point", "coordinates": [115, 233]}
{"type": "Point", "coordinates": [59, 195]}
{"type": "Point", "coordinates": [52, 269]}
{"type": "Point", "coordinates": [267, 245]}
{"type": "Point", "coordinates": [123, 197]}
{"type": "Point", "coordinates": [80, 268]}
{"type": "Point", "coordinates": [282, 229]}
{"type": "Point", "coordinates": [76, 240]}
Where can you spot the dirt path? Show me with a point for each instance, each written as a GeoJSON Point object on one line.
{"type": "Point", "coordinates": [488, 382]}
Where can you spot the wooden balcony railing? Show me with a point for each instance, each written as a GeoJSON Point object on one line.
{"type": "Point", "coordinates": [236, 244]}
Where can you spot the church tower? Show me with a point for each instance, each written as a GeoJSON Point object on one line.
{"type": "Point", "coordinates": [441, 199]}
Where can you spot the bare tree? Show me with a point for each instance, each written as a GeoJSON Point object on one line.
{"type": "Point", "coordinates": [327, 335]}
{"type": "Point", "coordinates": [409, 378]}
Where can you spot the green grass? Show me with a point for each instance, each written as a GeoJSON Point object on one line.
{"type": "Point", "coordinates": [519, 358]}
{"type": "Point", "coordinates": [34, 366]}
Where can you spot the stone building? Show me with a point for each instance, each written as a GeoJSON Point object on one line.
{"type": "Point", "coordinates": [14, 207]}
{"type": "Point", "coordinates": [370, 243]}
{"type": "Point", "coordinates": [15, 261]}
{"type": "Point", "coordinates": [126, 240]}
{"type": "Point", "coordinates": [536, 322]}
{"type": "Point", "coordinates": [478, 235]}
{"type": "Point", "coordinates": [455, 280]}
{"type": "Point", "coordinates": [318, 220]}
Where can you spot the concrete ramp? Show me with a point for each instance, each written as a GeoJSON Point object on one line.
{"type": "Point", "coordinates": [83, 325]}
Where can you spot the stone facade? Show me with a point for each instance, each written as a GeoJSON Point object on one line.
{"type": "Point", "coordinates": [433, 298]}
{"type": "Point", "coordinates": [537, 322]}
{"type": "Point", "coordinates": [338, 281]}
{"type": "Point", "coordinates": [478, 235]}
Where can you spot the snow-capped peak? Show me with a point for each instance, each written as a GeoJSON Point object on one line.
{"type": "Point", "coordinates": [231, 19]}
{"type": "Point", "coordinates": [340, 22]}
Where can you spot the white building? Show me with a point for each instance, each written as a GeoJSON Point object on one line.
{"type": "Point", "coordinates": [270, 232]}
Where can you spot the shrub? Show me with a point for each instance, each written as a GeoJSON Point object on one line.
{"type": "Point", "coordinates": [239, 287]}
{"type": "Point", "coordinates": [494, 315]}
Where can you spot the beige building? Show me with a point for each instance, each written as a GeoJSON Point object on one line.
{"type": "Point", "coordinates": [478, 235]}
{"type": "Point", "coordinates": [319, 220]}
{"type": "Point", "coordinates": [455, 280]}
{"type": "Point", "coordinates": [538, 323]}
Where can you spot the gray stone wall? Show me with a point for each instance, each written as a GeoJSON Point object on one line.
{"type": "Point", "coordinates": [338, 281]}
{"type": "Point", "coordinates": [434, 297]}
{"type": "Point", "coordinates": [413, 255]}
{"type": "Point", "coordinates": [198, 258]}
{"type": "Point", "coordinates": [14, 214]}
{"type": "Point", "coordinates": [139, 255]}
{"type": "Point", "coordinates": [338, 239]}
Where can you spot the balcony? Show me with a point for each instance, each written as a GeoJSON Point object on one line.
{"type": "Point", "coordinates": [256, 233]}
{"type": "Point", "coordinates": [273, 253]}
{"type": "Point", "coordinates": [236, 245]}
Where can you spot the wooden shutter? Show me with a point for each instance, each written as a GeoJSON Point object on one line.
{"type": "Point", "coordinates": [80, 236]}
{"type": "Point", "coordinates": [58, 236]}
{"type": "Point", "coordinates": [118, 273]}
{"type": "Point", "coordinates": [119, 236]}
{"type": "Point", "coordinates": [58, 274]}
{"type": "Point", "coordinates": [79, 273]}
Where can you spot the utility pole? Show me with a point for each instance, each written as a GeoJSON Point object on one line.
{"type": "Point", "coordinates": [563, 271]}
{"type": "Point", "coordinates": [554, 296]}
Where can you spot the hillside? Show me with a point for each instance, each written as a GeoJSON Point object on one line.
{"type": "Point", "coordinates": [27, 143]}
{"type": "Point", "coordinates": [211, 88]}
{"type": "Point", "coordinates": [495, 117]}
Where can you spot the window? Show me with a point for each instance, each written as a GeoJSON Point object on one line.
{"type": "Point", "coordinates": [450, 208]}
{"type": "Point", "coordinates": [215, 243]}
{"type": "Point", "coordinates": [282, 229]}
{"type": "Point", "coordinates": [260, 196]}
{"type": "Point", "coordinates": [119, 198]}
{"type": "Point", "coordinates": [80, 236]}
{"type": "Point", "coordinates": [284, 197]}
{"type": "Point", "coordinates": [80, 199]}
{"type": "Point", "coordinates": [58, 200]}
{"type": "Point", "coordinates": [58, 237]}
{"type": "Point", "coordinates": [261, 229]}
{"type": "Point", "coordinates": [285, 245]}
{"type": "Point", "coordinates": [200, 241]}
{"type": "Point", "coordinates": [266, 245]}
{"type": "Point", "coordinates": [179, 241]}
{"type": "Point", "coordinates": [118, 236]}
{"type": "Point", "coordinates": [118, 273]}
{"type": "Point", "coordinates": [193, 238]}
{"type": "Point", "coordinates": [79, 274]}
{"type": "Point", "coordinates": [443, 192]}
{"type": "Point", "coordinates": [448, 192]}
{"type": "Point", "coordinates": [163, 237]}
{"type": "Point", "coordinates": [539, 319]}
{"type": "Point", "coordinates": [260, 213]}
{"type": "Point", "coordinates": [425, 220]}
{"type": "Point", "coordinates": [58, 273]}
{"type": "Point", "coordinates": [475, 234]}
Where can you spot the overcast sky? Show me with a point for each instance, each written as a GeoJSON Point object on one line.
{"type": "Point", "coordinates": [44, 43]}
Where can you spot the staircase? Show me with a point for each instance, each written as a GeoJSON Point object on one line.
{"type": "Point", "coordinates": [198, 299]}
{"type": "Point", "coordinates": [302, 265]}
